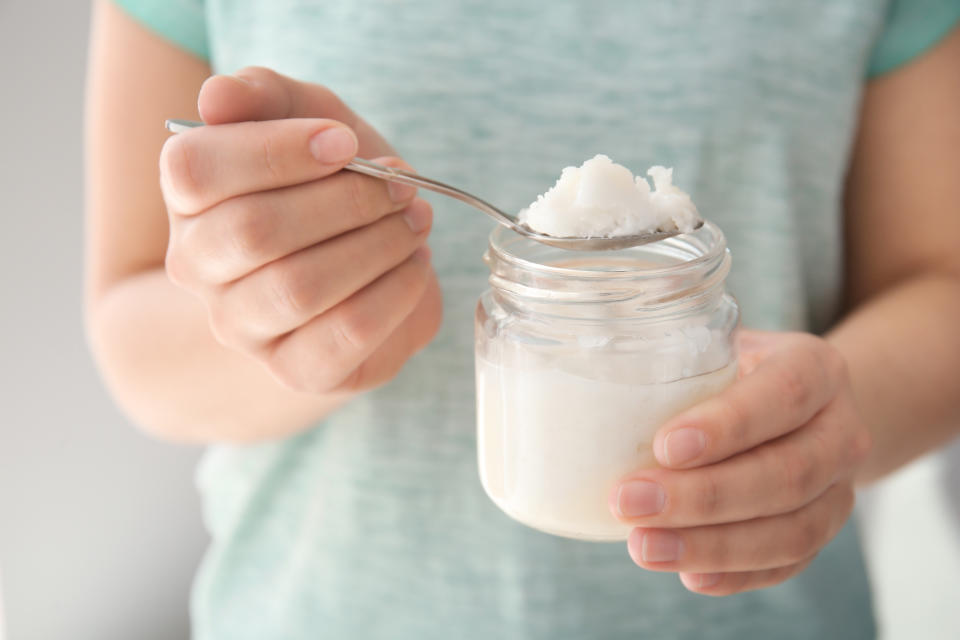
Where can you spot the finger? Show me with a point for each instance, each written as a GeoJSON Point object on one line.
{"type": "Point", "coordinates": [725, 584]}
{"type": "Point", "coordinates": [242, 234]}
{"type": "Point", "coordinates": [757, 340]}
{"type": "Point", "coordinates": [754, 346]}
{"type": "Point", "coordinates": [327, 351]}
{"type": "Point", "coordinates": [257, 93]}
{"type": "Point", "coordinates": [207, 165]}
{"type": "Point", "coordinates": [413, 334]}
{"type": "Point", "coordinates": [287, 293]}
{"type": "Point", "coordinates": [783, 392]}
{"type": "Point", "coordinates": [776, 477]}
{"type": "Point", "coordinates": [763, 543]}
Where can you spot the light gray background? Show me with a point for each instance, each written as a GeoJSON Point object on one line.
{"type": "Point", "coordinates": [99, 526]}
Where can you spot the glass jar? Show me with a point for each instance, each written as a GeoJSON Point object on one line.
{"type": "Point", "coordinates": [581, 357]}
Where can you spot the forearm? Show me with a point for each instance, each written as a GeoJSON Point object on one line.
{"type": "Point", "coordinates": [903, 350]}
{"type": "Point", "coordinates": [168, 373]}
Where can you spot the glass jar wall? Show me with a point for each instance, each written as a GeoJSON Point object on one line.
{"type": "Point", "coordinates": [580, 358]}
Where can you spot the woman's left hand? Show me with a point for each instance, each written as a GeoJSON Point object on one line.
{"type": "Point", "coordinates": [756, 480]}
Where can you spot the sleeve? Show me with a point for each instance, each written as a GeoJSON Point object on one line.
{"type": "Point", "coordinates": [182, 22]}
{"type": "Point", "coordinates": [912, 27]}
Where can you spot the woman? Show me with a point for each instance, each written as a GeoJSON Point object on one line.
{"type": "Point", "coordinates": [289, 314]}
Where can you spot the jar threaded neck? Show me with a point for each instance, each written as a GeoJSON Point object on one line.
{"type": "Point", "coordinates": [668, 276]}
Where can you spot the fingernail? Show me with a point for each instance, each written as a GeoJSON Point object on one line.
{"type": "Point", "coordinates": [708, 580]}
{"type": "Point", "coordinates": [241, 79]}
{"type": "Point", "coordinates": [417, 216]}
{"type": "Point", "coordinates": [333, 145]}
{"type": "Point", "coordinates": [423, 254]}
{"type": "Point", "coordinates": [400, 192]}
{"type": "Point", "coordinates": [695, 581]}
{"type": "Point", "coordinates": [683, 445]}
{"type": "Point", "coordinates": [640, 498]}
{"type": "Point", "coordinates": [660, 546]}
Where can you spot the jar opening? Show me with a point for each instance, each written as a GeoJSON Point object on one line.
{"type": "Point", "coordinates": [648, 276]}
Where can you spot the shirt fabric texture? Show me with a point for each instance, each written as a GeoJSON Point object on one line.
{"type": "Point", "coordinates": [373, 523]}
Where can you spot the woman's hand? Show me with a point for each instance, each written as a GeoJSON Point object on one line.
{"type": "Point", "coordinates": [756, 480]}
{"type": "Point", "coordinates": [323, 275]}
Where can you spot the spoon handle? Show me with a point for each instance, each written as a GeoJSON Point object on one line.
{"type": "Point", "coordinates": [392, 174]}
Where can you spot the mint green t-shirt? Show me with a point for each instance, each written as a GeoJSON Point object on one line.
{"type": "Point", "coordinates": [373, 524]}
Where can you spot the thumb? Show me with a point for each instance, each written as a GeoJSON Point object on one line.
{"type": "Point", "coordinates": [257, 93]}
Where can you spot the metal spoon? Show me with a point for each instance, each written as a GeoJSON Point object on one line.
{"type": "Point", "coordinates": [406, 177]}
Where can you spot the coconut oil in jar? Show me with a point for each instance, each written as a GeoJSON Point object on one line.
{"type": "Point", "coordinates": [581, 357]}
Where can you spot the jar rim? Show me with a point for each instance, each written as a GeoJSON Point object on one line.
{"type": "Point", "coordinates": [705, 247]}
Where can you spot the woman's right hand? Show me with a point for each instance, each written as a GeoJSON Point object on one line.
{"type": "Point", "coordinates": [323, 275]}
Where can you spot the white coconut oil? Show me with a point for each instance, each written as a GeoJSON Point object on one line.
{"type": "Point", "coordinates": [553, 443]}
{"type": "Point", "coordinates": [601, 198]}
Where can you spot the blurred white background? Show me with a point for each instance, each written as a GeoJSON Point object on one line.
{"type": "Point", "coordinates": [99, 526]}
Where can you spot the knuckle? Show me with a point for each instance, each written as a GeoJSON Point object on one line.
{"type": "Point", "coordinates": [331, 376]}
{"type": "Point", "coordinates": [387, 242]}
{"type": "Point", "coordinates": [721, 550]}
{"type": "Point", "coordinates": [251, 230]}
{"type": "Point", "coordinates": [287, 376]}
{"type": "Point", "coordinates": [793, 389]}
{"type": "Point", "coordinates": [224, 330]}
{"type": "Point", "coordinates": [176, 266]}
{"type": "Point", "coordinates": [709, 500]}
{"type": "Point", "coordinates": [381, 239]}
{"type": "Point", "coordinates": [733, 418]}
{"type": "Point", "coordinates": [198, 243]}
{"type": "Point", "coordinates": [350, 332]}
{"type": "Point", "coordinates": [799, 477]}
{"type": "Point", "coordinates": [271, 159]}
{"type": "Point", "coordinates": [359, 200]}
{"type": "Point", "coordinates": [180, 173]}
{"type": "Point", "coordinates": [289, 295]}
{"type": "Point", "coordinates": [320, 380]}
{"type": "Point", "coordinates": [298, 371]}
{"type": "Point", "coordinates": [186, 235]}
